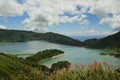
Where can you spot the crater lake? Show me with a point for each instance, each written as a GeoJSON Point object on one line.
{"type": "Point", "coordinates": [75, 55]}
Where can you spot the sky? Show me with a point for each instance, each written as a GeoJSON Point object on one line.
{"type": "Point", "coordinates": [68, 17]}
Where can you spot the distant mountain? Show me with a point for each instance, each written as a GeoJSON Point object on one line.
{"type": "Point", "coordinates": [90, 42]}
{"type": "Point", "coordinates": [22, 36]}
{"type": "Point", "coordinates": [110, 42]}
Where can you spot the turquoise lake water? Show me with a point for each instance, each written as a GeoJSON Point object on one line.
{"type": "Point", "coordinates": [75, 55]}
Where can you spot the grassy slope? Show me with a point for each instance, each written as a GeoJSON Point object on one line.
{"type": "Point", "coordinates": [9, 65]}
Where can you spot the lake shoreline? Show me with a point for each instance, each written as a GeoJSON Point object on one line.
{"type": "Point", "coordinates": [41, 62]}
{"type": "Point", "coordinates": [75, 55]}
{"type": "Point", "coordinates": [58, 55]}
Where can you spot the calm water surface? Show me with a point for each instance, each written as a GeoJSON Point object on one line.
{"type": "Point", "coordinates": [75, 55]}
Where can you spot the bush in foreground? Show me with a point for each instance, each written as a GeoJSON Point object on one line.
{"type": "Point", "coordinates": [95, 71]}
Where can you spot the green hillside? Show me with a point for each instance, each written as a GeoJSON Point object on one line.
{"type": "Point", "coordinates": [110, 42]}
{"type": "Point", "coordinates": [9, 65]}
{"type": "Point", "coordinates": [15, 68]}
{"type": "Point", "coordinates": [21, 36]}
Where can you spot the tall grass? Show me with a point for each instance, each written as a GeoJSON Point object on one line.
{"type": "Point", "coordinates": [95, 71]}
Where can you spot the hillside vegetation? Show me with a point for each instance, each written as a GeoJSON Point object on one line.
{"type": "Point", "coordinates": [9, 65]}
{"type": "Point", "coordinates": [21, 36]}
{"type": "Point", "coordinates": [110, 42]}
{"type": "Point", "coordinates": [15, 68]}
{"type": "Point", "coordinates": [44, 55]}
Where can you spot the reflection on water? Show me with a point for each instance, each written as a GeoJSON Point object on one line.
{"type": "Point", "coordinates": [75, 55]}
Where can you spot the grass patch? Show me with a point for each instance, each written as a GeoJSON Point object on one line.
{"type": "Point", "coordinates": [95, 71]}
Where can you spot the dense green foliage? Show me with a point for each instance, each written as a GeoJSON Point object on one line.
{"type": "Point", "coordinates": [60, 65]}
{"type": "Point", "coordinates": [111, 42]}
{"type": "Point", "coordinates": [44, 55]}
{"type": "Point", "coordinates": [21, 36]}
{"type": "Point", "coordinates": [9, 65]}
{"type": "Point", "coordinates": [90, 42]}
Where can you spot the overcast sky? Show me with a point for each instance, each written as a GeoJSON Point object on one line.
{"type": "Point", "coordinates": [68, 17]}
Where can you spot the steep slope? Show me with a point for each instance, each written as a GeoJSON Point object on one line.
{"type": "Point", "coordinates": [21, 36]}
{"type": "Point", "coordinates": [9, 65]}
{"type": "Point", "coordinates": [110, 42]}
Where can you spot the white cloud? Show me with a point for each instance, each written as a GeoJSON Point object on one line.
{"type": "Point", "coordinates": [102, 8]}
{"type": "Point", "coordinates": [91, 32]}
{"type": "Point", "coordinates": [46, 13]}
{"type": "Point", "coordinates": [3, 27]}
{"type": "Point", "coordinates": [113, 21]}
{"type": "Point", "coordinates": [10, 8]}
{"type": "Point", "coordinates": [96, 32]}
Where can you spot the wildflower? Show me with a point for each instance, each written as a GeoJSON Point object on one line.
{"type": "Point", "coordinates": [96, 64]}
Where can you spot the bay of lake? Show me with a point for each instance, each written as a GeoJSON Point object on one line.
{"type": "Point", "coordinates": [75, 55]}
